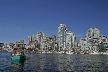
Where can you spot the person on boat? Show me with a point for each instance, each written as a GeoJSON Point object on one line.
{"type": "Point", "coordinates": [15, 53]}
{"type": "Point", "coordinates": [18, 53]}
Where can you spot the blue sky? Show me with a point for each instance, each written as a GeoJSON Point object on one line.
{"type": "Point", "coordinates": [21, 18]}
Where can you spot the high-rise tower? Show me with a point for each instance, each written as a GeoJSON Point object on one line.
{"type": "Point", "coordinates": [29, 39]}
{"type": "Point", "coordinates": [62, 35]}
{"type": "Point", "coordinates": [93, 32]}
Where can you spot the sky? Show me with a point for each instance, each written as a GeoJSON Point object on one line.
{"type": "Point", "coordinates": [22, 18]}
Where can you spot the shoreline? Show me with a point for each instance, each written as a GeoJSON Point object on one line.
{"type": "Point", "coordinates": [67, 53]}
{"type": "Point", "coordinates": [60, 53]}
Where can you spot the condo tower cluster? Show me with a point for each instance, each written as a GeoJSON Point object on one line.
{"type": "Point", "coordinates": [66, 41]}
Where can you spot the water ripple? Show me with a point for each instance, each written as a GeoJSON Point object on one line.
{"type": "Point", "coordinates": [55, 63]}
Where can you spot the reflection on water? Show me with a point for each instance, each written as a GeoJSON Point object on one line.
{"type": "Point", "coordinates": [17, 66]}
{"type": "Point", "coordinates": [55, 63]}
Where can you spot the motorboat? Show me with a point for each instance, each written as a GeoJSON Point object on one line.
{"type": "Point", "coordinates": [18, 55]}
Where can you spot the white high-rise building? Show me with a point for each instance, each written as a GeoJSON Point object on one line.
{"type": "Point", "coordinates": [66, 39]}
{"type": "Point", "coordinates": [29, 39]}
{"type": "Point", "coordinates": [91, 42]}
{"type": "Point", "coordinates": [69, 40]}
{"type": "Point", "coordinates": [62, 36]}
{"type": "Point", "coordinates": [93, 33]}
{"type": "Point", "coordinates": [39, 36]}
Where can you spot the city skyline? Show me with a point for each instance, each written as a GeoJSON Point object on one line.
{"type": "Point", "coordinates": [77, 36]}
{"type": "Point", "coordinates": [67, 41]}
{"type": "Point", "coordinates": [19, 19]}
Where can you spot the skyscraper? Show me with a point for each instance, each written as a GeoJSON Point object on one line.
{"type": "Point", "coordinates": [93, 32]}
{"type": "Point", "coordinates": [69, 40]}
{"type": "Point", "coordinates": [39, 36]}
{"type": "Point", "coordinates": [29, 39]}
{"type": "Point", "coordinates": [62, 36]}
{"type": "Point", "coordinates": [91, 42]}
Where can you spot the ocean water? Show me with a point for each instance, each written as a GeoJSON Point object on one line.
{"type": "Point", "coordinates": [55, 63]}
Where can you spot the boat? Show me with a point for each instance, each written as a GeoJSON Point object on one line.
{"type": "Point", "coordinates": [94, 52]}
{"type": "Point", "coordinates": [18, 55]}
{"type": "Point", "coordinates": [70, 52]}
{"type": "Point", "coordinates": [86, 52]}
{"type": "Point", "coordinates": [17, 62]}
{"type": "Point", "coordinates": [105, 53]}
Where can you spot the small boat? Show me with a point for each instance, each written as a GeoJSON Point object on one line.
{"type": "Point", "coordinates": [70, 52]}
{"type": "Point", "coordinates": [86, 52]}
{"type": "Point", "coordinates": [18, 55]}
{"type": "Point", "coordinates": [81, 52]}
{"type": "Point", "coordinates": [17, 62]}
{"type": "Point", "coordinates": [94, 52]}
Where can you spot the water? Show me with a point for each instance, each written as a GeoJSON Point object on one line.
{"type": "Point", "coordinates": [55, 63]}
